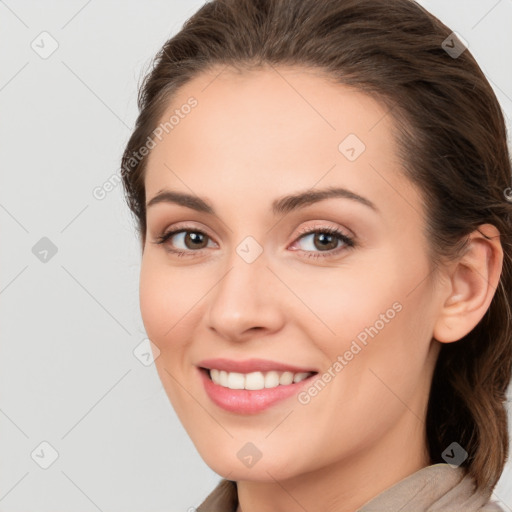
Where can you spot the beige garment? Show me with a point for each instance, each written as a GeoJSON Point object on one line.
{"type": "Point", "coordinates": [436, 488]}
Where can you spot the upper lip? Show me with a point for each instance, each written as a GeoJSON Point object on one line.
{"type": "Point", "coordinates": [252, 365]}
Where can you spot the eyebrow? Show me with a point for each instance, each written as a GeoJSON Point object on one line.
{"type": "Point", "coordinates": [281, 205]}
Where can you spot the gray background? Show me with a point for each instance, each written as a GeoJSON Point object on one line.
{"type": "Point", "coordinates": [69, 326]}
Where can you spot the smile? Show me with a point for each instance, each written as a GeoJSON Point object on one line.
{"type": "Point", "coordinates": [255, 380]}
{"type": "Point", "coordinates": [251, 386]}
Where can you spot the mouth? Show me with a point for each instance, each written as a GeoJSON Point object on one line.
{"type": "Point", "coordinates": [255, 381]}
{"type": "Point", "coordinates": [261, 385]}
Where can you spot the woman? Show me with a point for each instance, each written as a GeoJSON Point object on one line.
{"type": "Point", "coordinates": [320, 188]}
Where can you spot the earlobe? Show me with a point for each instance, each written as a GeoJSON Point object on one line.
{"type": "Point", "coordinates": [471, 285]}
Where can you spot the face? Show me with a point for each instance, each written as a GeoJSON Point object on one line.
{"type": "Point", "coordinates": [314, 314]}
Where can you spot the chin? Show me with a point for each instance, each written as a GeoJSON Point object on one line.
{"type": "Point", "coordinates": [270, 467]}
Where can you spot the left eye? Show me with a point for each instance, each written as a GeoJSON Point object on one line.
{"type": "Point", "coordinates": [319, 240]}
{"type": "Point", "coordinates": [325, 240]}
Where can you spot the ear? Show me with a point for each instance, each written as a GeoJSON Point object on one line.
{"type": "Point", "coordinates": [471, 284]}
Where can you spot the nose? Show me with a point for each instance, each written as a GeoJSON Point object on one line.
{"type": "Point", "coordinates": [246, 301]}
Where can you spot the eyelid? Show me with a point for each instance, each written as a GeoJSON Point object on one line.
{"type": "Point", "coordinates": [348, 240]}
{"type": "Point", "coordinates": [183, 226]}
{"type": "Point", "coordinates": [322, 227]}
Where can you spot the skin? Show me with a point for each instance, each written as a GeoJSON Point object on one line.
{"type": "Point", "coordinates": [254, 137]}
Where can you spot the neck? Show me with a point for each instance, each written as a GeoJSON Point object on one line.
{"type": "Point", "coordinates": [347, 484]}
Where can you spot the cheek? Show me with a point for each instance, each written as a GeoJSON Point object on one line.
{"type": "Point", "coordinates": [341, 303]}
{"type": "Point", "coordinates": [153, 300]}
{"type": "Point", "coordinates": [167, 299]}
{"type": "Point", "coordinates": [166, 306]}
{"type": "Point", "coordinates": [378, 310]}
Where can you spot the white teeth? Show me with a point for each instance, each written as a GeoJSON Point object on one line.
{"type": "Point", "coordinates": [223, 378]}
{"type": "Point", "coordinates": [255, 380]}
{"type": "Point", "coordinates": [300, 376]}
{"type": "Point", "coordinates": [236, 380]}
{"type": "Point", "coordinates": [286, 378]}
{"type": "Point", "coordinates": [271, 379]}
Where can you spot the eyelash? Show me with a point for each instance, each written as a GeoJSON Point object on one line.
{"type": "Point", "coordinates": [349, 242]}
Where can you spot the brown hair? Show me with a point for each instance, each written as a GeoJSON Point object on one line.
{"type": "Point", "coordinates": [453, 145]}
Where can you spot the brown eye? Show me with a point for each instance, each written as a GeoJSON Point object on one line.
{"type": "Point", "coordinates": [184, 240]}
{"type": "Point", "coordinates": [325, 240]}
{"type": "Point", "coordinates": [194, 239]}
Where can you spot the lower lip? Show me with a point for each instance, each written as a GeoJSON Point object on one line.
{"type": "Point", "coordinates": [245, 401]}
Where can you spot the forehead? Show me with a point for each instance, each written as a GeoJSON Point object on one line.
{"type": "Point", "coordinates": [273, 130]}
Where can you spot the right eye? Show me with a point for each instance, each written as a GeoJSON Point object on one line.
{"type": "Point", "coordinates": [191, 240]}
